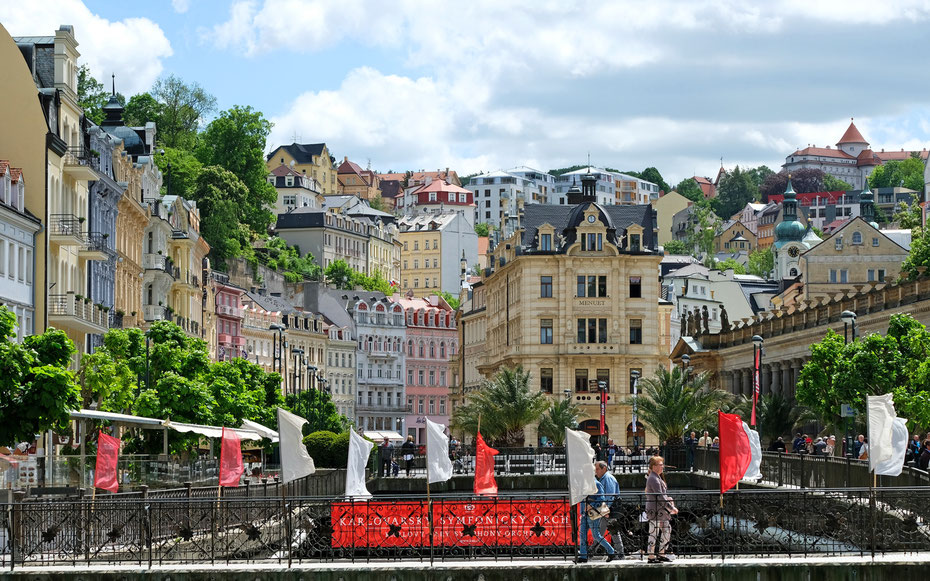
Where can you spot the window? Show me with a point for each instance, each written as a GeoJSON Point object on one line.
{"type": "Point", "coordinates": [416, 244]}
{"type": "Point", "coordinates": [874, 241]}
{"type": "Point", "coordinates": [545, 331]}
{"type": "Point", "coordinates": [844, 275]}
{"type": "Point", "coordinates": [545, 287]}
{"type": "Point", "coordinates": [581, 380]}
{"type": "Point", "coordinates": [405, 246]}
{"type": "Point", "coordinates": [636, 287]}
{"type": "Point", "coordinates": [838, 245]}
{"type": "Point", "coordinates": [420, 406]}
{"type": "Point", "coordinates": [592, 330]}
{"type": "Point", "coordinates": [857, 238]}
{"type": "Point", "coordinates": [603, 375]}
{"type": "Point", "coordinates": [592, 242]}
{"type": "Point", "coordinates": [832, 275]}
{"type": "Point", "coordinates": [442, 406]}
{"type": "Point", "coordinates": [410, 377]}
{"type": "Point", "coordinates": [420, 377]}
{"type": "Point", "coordinates": [636, 331]}
{"type": "Point", "coordinates": [545, 380]}
{"type": "Point", "coordinates": [871, 275]}
{"type": "Point", "coordinates": [881, 275]}
{"type": "Point", "coordinates": [442, 378]}
{"type": "Point", "coordinates": [432, 350]}
{"type": "Point", "coordinates": [545, 242]}
{"type": "Point", "coordinates": [592, 286]}
{"type": "Point", "coordinates": [416, 263]}
{"type": "Point", "coordinates": [432, 378]}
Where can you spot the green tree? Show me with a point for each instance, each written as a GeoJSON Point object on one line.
{"type": "Point", "coordinates": [482, 229]}
{"type": "Point", "coordinates": [834, 184]}
{"type": "Point", "coordinates": [651, 174]}
{"type": "Point", "coordinates": [109, 377]}
{"type": "Point", "coordinates": [505, 406]}
{"type": "Point", "coordinates": [184, 107]}
{"type": "Point", "coordinates": [909, 216]}
{"type": "Point", "coordinates": [450, 300]}
{"type": "Point", "coordinates": [377, 204]}
{"type": "Point", "coordinates": [92, 95]}
{"type": "Point", "coordinates": [141, 109]}
{"type": "Point", "coordinates": [340, 275]}
{"type": "Point", "coordinates": [678, 247]}
{"type": "Point", "coordinates": [235, 141]}
{"type": "Point", "coordinates": [758, 175]}
{"type": "Point", "coordinates": [775, 415]}
{"type": "Point", "coordinates": [560, 415]}
{"type": "Point", "coordinates": [908, 173]}
{"type": "Point", "coordinates": [37, 390]}
{"type": "Point", "coordinates": [673, 402]}
{"type": "Point", "coordinates": [374, 282]}
{"type": "Point", "coordinates": [690, 189]}
{"type": "Point", "coordinates": [737, 267]}
{"type": "Point", "coordinates": [703, 231]}
{"type": "Point", "coordinates": [318, 408]}
{"type": "Point", "coordinates": [762, 262]}
{"type": "Point", "coordinates": [735, 190]}
{"type": "Point", "coordinates": [180, 179]}
{"type": "Point", "coordinates": [218, 194]}
{"type": "Point", "coordinates": [919, 255]}
{"type": "Point", "coordinates": [276, 254]}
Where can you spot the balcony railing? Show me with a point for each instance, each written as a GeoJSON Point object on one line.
{"type": "Point", "coordinates": [158, 262]}
{"type": "Point", "coordinates": [68, 305]}
{"type": "Point", "coordinates": [66, 228]}
{"type": "Point", "coordinates": [224, 338]}
{"type": "Point", "coordinates": [230, 311]}
{"type": "Point", "coordinates": [238, 341]}
{"type": "Point", "coordinates": [387, 409]}
{"type": "Point", "coordinates": [78, 163]}
{"type": "Point", "coordinates": [155, 313]}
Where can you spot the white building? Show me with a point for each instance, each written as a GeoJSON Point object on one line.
{"type": "Point", "coordinates": [17, 250]}
{"type": "Point", "coordinates": [295, 190]}
{"type": "Point", "coordinates": [611, 188]}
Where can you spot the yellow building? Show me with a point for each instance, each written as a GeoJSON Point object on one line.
{"type": "Point", "coordinates": [385, 250]}
{"type": "Point", "coordinates": [133, 218]}
{"type": "Point", "coordinates": [734, 236]}
{"type": "Point", "coordinates": [578, 305]}
{"type": "Point", "coordinates": [355, 181]}
{"type": "Point", "coordinates": [666, 207]}
{"type": "Point", "coordinates": [433, 246]}
{"type": "Point", "coordinates": [312, 159]}
{"type": "Point", "coordinates": [187, 250]}
{"type": "Point", "coordinates": [23, 142]}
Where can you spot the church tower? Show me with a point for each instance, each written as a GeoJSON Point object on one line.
{"type": "Point", "coordinates": [789, 236]}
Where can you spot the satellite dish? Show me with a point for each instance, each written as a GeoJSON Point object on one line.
{"type": "Point", "coordinates": [293, 161]}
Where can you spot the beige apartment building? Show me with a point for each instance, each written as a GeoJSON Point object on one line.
{"type": "Point", "coordinates": [579, 304]}
{"type": "Point", "coordinates": [310, 159]}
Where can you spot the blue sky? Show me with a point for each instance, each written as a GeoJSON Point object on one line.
{"type": "Point", "coordinates": [487, 85]}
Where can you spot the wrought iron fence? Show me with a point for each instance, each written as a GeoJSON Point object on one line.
{"type": "Point", "coordinates": [285, 529]}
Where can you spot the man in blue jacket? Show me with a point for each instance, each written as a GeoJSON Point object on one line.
{"type": "Point", "coordinates": [587, 523]}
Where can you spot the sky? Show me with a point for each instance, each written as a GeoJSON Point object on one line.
{"type": "Point", "coordinates": [486, 85]}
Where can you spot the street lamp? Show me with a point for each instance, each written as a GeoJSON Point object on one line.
{"type": "Point", "coordinates": [686, 365]}
{"type": "Point", "coordinates": [567, 393]}
{"type": "Point", "coordinates": [277, 340]}
{"type": "Point", "coordinates": [757, 342]}
{"type": "Point", "coordinates": [634, 375]}
{"type": "Point", "coordinates": [602, 388]}
{"type": "Point", "coordinates": [849, 319]}
{"type": "Point", "coordinates": [298, 354]}
{"type": "Point", "coordinates": [311, 375]}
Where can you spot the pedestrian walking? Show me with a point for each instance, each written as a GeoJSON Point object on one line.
{"type": "Point", "coordinates": [407, 449]}
{"type": "Point", "coordinates": [659, 510]}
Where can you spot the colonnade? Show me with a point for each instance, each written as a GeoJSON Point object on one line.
{"type": "Point", "coordinates": [779, 377]}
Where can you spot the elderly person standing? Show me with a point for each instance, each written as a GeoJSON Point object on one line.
{"type": "Point", "coordinates": [659, 510]}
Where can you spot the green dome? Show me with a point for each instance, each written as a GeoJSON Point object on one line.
{"type": "Point", "coordinates": [790, 231]}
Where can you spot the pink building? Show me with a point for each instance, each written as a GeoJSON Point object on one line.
{"type": "Point", "coordinates": [432, 340]}
{"type": "Point", "coordinates": [230, 341]}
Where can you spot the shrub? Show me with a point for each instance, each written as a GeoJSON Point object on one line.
{"type": "Point", "coordinates": [320, 445]}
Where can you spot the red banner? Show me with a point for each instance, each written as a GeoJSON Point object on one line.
{"type": "Point", "coordinates": [489, 522]}
{"type": "Point", "coordinates": [105, 473]}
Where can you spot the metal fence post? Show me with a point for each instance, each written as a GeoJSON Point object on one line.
{"type": "Point", "coordinates": [801, 457]}
{"type": "Point", "coordinates": [17, 523]}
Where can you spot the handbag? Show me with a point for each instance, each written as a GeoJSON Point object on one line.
{"type": "Point", "coordinates": [596, 512]}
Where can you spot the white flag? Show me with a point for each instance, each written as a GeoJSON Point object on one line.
{"type": "Point", "coordinates": [899, 437]}
{"type": "Point", "coordinates": [359, 451]}
{"type": "Point", "coordinates": [295, 460]}
{"type": "Point", "coordinates": [752, 472]}
{"type": "Point", "coordinates": [881, 421]}
{"type": "Point", "coordinates": [439, 465]}
{"type": "Point", "coordinates": [580, 458]}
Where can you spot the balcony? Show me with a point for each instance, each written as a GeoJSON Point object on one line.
{"type": "Point", "coordinates": [238, 341]}
{"type": "Point", "coordinates": [224, 339]}
{"type": "Point", "coordinates": [155, 313]}
{"type": "Point", "coordinates": [226, 310]}
{"type": "Point", "coordinates": [95, 247]}
{"type": "Point", "coordinates": [159, 263]}
{"type": "Point", "coordinates": [65, 230]}
{"type": "Point", "coordinates": [68, 311]}
{"type": "Point", "coordinates": [384, 409]}
{"type": "Point", "coordinates": [78, 164]}
{"type": "Point", "coordinates": [179, 234]}
{"type": "Point", "coordinates": [118, 321]}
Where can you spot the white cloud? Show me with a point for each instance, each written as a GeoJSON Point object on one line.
{"type": "Point", "coordinates": [132, 48]}
{"type": "Point", "coordinates": [180, 6]}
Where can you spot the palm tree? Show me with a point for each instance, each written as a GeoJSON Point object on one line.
{"type": "Point", "coordinates": [560, 415]}
{"type": "Point", "coordinates": [672, 403]}
{"type": "Point", "coordinates": [775, 415]}
{"type": "Point", "coordinates": [505, 405]}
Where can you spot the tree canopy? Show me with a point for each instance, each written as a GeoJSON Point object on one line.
{"type": "Point", "coordinates": [651, 174]}
{"type": "Point", "coordinates": [762, 262]}
{"type": "Point", "coordinates": [184, 107]}
{"type": "Point", "coordinates": [219, 195]}
{"type": "Point", "coordinates": [737, 267]}
{"type": "Point", "coordinates": [898, 363]}
{"type": "Point", "coordinates": [92, 95]}
{"type": "Point", "coordinates": [919, 255]}
{"type": "Point", "coordinates": [735, 190]}
{"type": "Point", "coordinates": [676, 247]}
{"type": "Point", "coordinates": [560, 415]}
{"type": "Point", "coordinates": [37, 390]}
{"type": "Point", "coordinates": [908, 173]}
{"type": "Point", "coordinates": [674, 402]}
{"type": "Point", "coordinates": [690, 189]}
{"type": "Point", "coordinates": [504, 406]}
{"type": "Point", "coordinates": [803, 181]}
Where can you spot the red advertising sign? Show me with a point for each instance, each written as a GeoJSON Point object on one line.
{"type": "Point", "coordinates": [485, 522]}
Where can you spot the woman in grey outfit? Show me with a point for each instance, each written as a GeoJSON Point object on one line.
{"type": "Point", "coordinates": [659, 510]}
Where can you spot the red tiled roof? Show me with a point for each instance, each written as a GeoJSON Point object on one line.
{"type": "Point", "coordinates": [441, 186]}
{"type": "Point", "coordinates": [808, 198]}
{"type": "Point", "coordinates": [834, 225]}
{"type": "Point", "coordinates": [899, 155]}
{"type": "Point", "coordinates": [701, 180]}
{"type": "Point", "coordinates": [867, 158]}
{"type": "Point", "coordinates": [283, 170]}
{"type": "Point", "coordinates": [15, 174]}
{"type": "Point", "coordinates": [4, 165]}
{"type": "Point", "coordinates": [823, 152]}
{"type": "Point", "coordinates": [852, 135]}
{"type": "Point", "coordinates": [349, 167]}
{"type": "Point", "coordinates": [482, 245]}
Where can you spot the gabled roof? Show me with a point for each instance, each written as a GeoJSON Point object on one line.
{"type": "Point", "coordinates": [272, 304]}
{"type": "Point", "coordinates": [823, 152]}
{"type": "Point", "coordinates": [864, 223]}
{"type": "Point", "coordinates": [440, 186]}
{"type": "Point", "coordinates": [283, 170]}
{"type": "Point", "coordinates": [302, 152]}
{"type": "Point", "coordinates": [852, 135]}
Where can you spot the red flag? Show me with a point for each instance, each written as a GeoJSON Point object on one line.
{"type": "Point", "coordinates": [484, 468]}
{"type": "Point", "coordinates": [735, 453]}
{"type": "Point", "coordinates": [105, 473]}
{"type": "Point", "coordinates": [231, 467]}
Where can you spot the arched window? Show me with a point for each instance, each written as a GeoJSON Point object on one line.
{"type": "Point", "coordinates": [370, 343]}
{"type": "Point", "coordinates": [410, 347]}
{"type": "Point", "coordinates": [421, 349]}
{"type": "Point", "coordinates": [857, 238]}
{"type": "Point", "coordinates": [442, 350]}
{"type": "Point", "coordinates": [432, 350]}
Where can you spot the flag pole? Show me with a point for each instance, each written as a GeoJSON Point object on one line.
{"type": "Point", "coordinates": [429, 506]}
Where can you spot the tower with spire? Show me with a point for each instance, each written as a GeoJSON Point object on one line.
{"type": "Point", "coordinates": [792, 239]}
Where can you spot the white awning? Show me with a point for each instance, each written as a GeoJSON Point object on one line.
{"type": "Point", "coordinates": [260, 429]}
{"type": "Point", "coordinates": [146, 423]}
{"type": "Point", "coordinates": [211, 431]}
{"type": "Point", "coordinates": [378, 436]}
